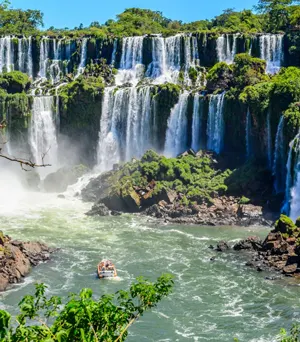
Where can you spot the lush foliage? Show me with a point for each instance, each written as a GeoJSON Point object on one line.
{"type": "Point", "coordinates": [195, 178]}
{"type": "Point", "coordinates": [279, 14]}
{"type": "Point", "coordinates": [17, 21]}
{"type": "Point", "coordinates": [82, 318]}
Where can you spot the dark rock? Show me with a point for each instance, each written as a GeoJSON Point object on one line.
{"type": "Point", "coordinates": [98, 210]}
{"type": "Point", "coordinates": [222, 246]}
{"type": "Point", "coordinates": [61, 179]}
{"type": "Point", "coordinates": [61, 196]}
{"type": "Point", "coordinates": [251, 243]}
{"type": "Point", "coordinates": [115, 213]}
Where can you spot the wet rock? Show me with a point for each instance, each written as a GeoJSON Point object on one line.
{"type": "Point", "coordinates": [251, 243]}
{"type": "Point", "coordinates": [290, 269]}
{"type": "Point", "coordinates": [61, 196]}
{"type": "Point", "coordinates": [222, 246]}
{"type": "Point", "coordinates": [17, 258]}
{"type": "Point", "coordinates": [115, 213]}
{"type": "Point", "coordinates": [98, 210]}
{"type": "Point", "coordinates": [61, 179]}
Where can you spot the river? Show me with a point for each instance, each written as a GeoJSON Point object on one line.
{"type": "Point", "coordinates": [212, 300]}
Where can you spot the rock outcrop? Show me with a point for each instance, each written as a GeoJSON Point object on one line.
{"type": "Point", "coordinates": [280, 250]}
{"type": "Point", "coordinates": [17, 258]}
{"type": "Point", "coordinates": [191, 189]}
{"type": "Point", "coordinates": [61, 179]}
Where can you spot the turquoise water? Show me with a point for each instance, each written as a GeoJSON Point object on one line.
{"type": "Point", "coordinates": [212, 301]}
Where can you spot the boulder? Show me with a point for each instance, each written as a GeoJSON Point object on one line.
{"type": "Point", "coordinates": [222, 246]}
{"type": "Point", "coordinates": [61, 179]}
{"type": "Point", "coordinates": [17, 258]}
{"type": "Point", "coordinates": [98, 210]}
{"type": "Point", "coordinates": [285, 225]}
{"type": "Point", "coordinates": [251, 243]}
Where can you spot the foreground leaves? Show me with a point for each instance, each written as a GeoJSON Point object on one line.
{"type": "Point", "coordinates": [82, 318]}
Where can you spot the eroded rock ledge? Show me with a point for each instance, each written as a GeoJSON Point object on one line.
{"type": "Point", "coordinates": [17, 258]}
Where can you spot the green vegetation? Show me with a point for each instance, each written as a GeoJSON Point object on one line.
{"type": "Point", "coordinates": [271, 16]}
{"type": "Point", "coordinates": [82, 318]}
{"type": "Point", "coordinates": [194, 177]}
{"type": "Point", "coordinates": [17, 21]}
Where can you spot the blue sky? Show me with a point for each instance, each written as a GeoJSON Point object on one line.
{"type": "Point", "coordinates": [70, 13]}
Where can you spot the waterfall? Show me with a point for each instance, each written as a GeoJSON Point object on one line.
{"type": "Point", "coordinates": [83, 57]}
{"type": "Point", "coordinates": [176, 136]}
{"type": "Point", "coordinates": [215, 123]}
{"type": "Point", "coordinates": [125, 126]}
{"type": "Point", "coordinates": [271, 50]}
{"type": "Point", "coordinates": [29, 58]}
{"type": "Point", "coordinates": [269, 140]}
{"type": "Point", "coordinates": [138, 122]}
{"type": "Point", "coordinates": [294, 194]}
{"type": "Point", "coordinates": [196, 125]}
{"type": "Point", "coordinates": [44, 55]}
{"type": "Point", "coordinates": [158, 65]}
{"type": "Point", "coordinates": [42, 134]}
{"type": "Point", "coordinates": [113, 55]}
{"type": "Point", "coordinates": [290, 173]}
{"type": "Point", "coordinates": [248, 134]}
{"type": "Point", "coordinates": [6, 54]}
{"type": "Point", "coordinates": [279, 159]}
{"type": "Point", "coordinates": [131, 67]}
{"type": "Point", "coordinates": [225, 51]}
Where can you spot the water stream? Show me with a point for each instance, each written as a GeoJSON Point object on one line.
{"type": "Point", "coordinates": [212, 301]}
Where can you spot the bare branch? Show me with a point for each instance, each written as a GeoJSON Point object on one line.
{"type": "Point", "coordinates": [23, 162]}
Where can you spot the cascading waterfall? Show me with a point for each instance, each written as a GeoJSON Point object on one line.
{"type": "Point", "coordinates": [196, 125]}
{"type": "Point", "coordinates": [269, 140]}
{"type": "Point", "coordinates": [225, 50]}
{"type": "Point", "coordinates": [83, 57]}
{"type": "Point", "coordinates": [176, 136]}
{"type": "Point", "coordinates": [114, 53]}
{"type": "Point", "coordinates": [279, 171]}
{"type": "Point", "coordinates": [44, 55]}
{"type": "Point", "coordinates": [6, 54]}
{"type": "Point", "coordinates": [248, 134]}
{"type": "Point", "coordinates": [42, 134]}
{"type": "Point", "coordinates": [125, 127]}
{"type": "Point", "coordinates": [271, 50]}
{"type": "Point", "coordinates": [290, 173]}
{"type": "Point", "coordinates": [131, 66]}
{"type": "Point", "coordinates": [215, 123]}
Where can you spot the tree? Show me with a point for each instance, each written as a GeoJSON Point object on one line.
{"type": "Point", "coordinates": [17, 21]}
{"type": "Point", "coordinates": [82, 318]}
{"type": "Point", "coordinates": [276, 12]}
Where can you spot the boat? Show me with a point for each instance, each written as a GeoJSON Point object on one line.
{"type": "Point", "coordinates": [106, 269]}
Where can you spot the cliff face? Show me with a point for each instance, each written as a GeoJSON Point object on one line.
{"type": "Point", "coordinates": [116, 98]}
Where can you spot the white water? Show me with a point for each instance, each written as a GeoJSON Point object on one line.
{"type": "Point", "coordinates": [215, 123]}
{"type": "Point", "coordinates": [6, 54]}
{"type": "Point", "coordinates": [271, 50]}
{"type": "Point", "coordinates": [176, 136]}
{"type": "Point", "coordinates": [125, 127]}
{"type": "Point", "coordinates": [196, 125]}
{"type": "Point", "coordinates": [226, 50]}
{"type": "Point", "coordinates": [248, 134]}
{"type": "Point", "coordinates": [42, 134]}
{"type": "Point", "coordinates": [131, 65]}
{"type": "Point", "coordinates": [83, 57]}
{"type": "Point", "coordinates": [269, 141]}
{"type": "Point", "coordinates": [289, 193]}
{"type": "Point", "coordinates": [279, 171]}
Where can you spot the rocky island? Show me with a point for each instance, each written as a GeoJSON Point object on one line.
{"type": "Point", "coordinates": [17, 258]}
